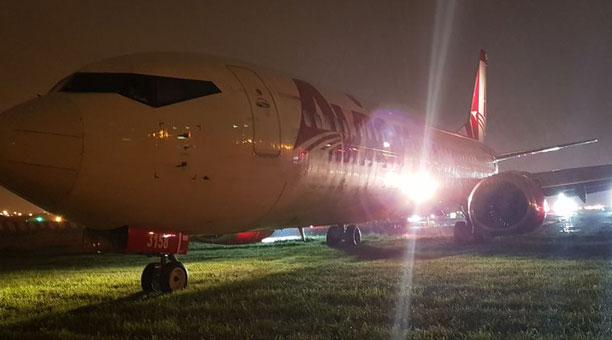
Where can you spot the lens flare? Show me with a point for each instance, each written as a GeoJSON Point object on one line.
{"type": "Point", "coordinates": [423, 186]}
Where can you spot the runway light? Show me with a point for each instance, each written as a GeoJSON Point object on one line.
{"type": "Point", "coordinates": [598, 207]}
{"type": "Point", "coordinates": [58, 219]}
{"type": "Point", "coordinates": [565, 206]}
{"type": "Point", "coordinates": [414, 219]}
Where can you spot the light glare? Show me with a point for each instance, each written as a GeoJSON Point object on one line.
{"type": "Point", "coordinates": [419, 187]}
{"type": "Point", "coordinates": [565, 206]}
{"type": "Point", "coordinates": [414, 219]}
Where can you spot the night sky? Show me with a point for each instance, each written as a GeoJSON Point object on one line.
{"type": "Point", "coordinates": [550, 62]}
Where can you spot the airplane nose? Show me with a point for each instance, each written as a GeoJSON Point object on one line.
{"type": "Point", "coordinates": [41, 147]}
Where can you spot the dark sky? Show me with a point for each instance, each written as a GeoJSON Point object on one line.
{"type": "Point", "coordinates": [550, 62]}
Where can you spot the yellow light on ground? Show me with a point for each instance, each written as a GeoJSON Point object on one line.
{"type": "Point", "coordinates": [58, 219]}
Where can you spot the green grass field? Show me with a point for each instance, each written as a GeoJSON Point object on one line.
{"type": "Point", "coordinates": [546, 287]}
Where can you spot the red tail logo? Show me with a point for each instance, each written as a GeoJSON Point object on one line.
{"type": "Point", "coordinates": [476, 125]}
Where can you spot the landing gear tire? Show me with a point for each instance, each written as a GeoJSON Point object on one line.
{"type": "Point", "coordinates": [462, 233]}
{"type": "Point", "coordinates": [166, 276]}
{"type": "Point", "coordinates": [352, 236]}
{"type": "Point", "coordinates": [149, 280]}
{"type": "Point", "coordinates": [334, 236]}
{"type": "Point", "coordinates": [173, 276]}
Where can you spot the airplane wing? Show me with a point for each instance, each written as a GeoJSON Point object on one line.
{"type": "Point", "coordinates": [517, 154]}
{"type": "Point", "coordinates": [575, 181]}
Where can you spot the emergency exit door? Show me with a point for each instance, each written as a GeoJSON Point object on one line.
{"type": "Point", "coordinates": [266, 122]}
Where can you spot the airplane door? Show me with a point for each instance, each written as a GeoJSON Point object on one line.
{"type": "Point", "coordinates": [266, 122]}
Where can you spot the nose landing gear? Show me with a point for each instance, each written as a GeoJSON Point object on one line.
{"type": "Point", "coordinates": [166, 276]}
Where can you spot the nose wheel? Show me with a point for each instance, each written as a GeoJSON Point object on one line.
{"type": "Point", "coordinates": [166, 276]}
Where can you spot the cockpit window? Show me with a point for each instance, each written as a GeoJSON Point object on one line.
{"type": "Point", "coordinates": [154, 91]}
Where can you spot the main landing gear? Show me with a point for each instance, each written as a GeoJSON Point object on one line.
{"type": "Point", "coordinates": [340, 235]}
{"type": "Point", "coordinates": [166, 276]}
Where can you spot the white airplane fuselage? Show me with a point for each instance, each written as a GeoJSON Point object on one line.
{"type": "Point", "coordinates": [267, 151]}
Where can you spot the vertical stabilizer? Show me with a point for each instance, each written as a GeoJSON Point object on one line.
{"type": "Point", "coordinates": [476, 125]}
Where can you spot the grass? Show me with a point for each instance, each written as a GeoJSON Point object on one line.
{"type": "Point", "coordinates": [540, 286]}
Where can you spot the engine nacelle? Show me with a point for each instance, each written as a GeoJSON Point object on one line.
{"type": "Point", "coordinates": [507, 203]}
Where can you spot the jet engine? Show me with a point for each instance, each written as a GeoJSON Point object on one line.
{"type": "Point", "coordinates": [506, 204]}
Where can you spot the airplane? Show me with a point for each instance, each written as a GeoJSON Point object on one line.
{"type": "Point", "coordinates": [149, 148]}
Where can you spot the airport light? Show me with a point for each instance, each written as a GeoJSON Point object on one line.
{"type": "Point", "coordinates": [39, 219]}
{"type": "Point", "coordinates": [414, 219]}
{"type": "Point", "coordinates": [419, 187]}
{"type": "Point", "coordinates": [58, 219]}
{"type": "Point", "coordinates": [597, 207]}
{"type": "Point", "coordinates": [565, 206]}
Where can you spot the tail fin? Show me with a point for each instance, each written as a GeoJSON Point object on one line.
{"type": "Point", "coordinates": [476, 125]}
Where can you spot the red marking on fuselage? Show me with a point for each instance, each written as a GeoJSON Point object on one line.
{"type": "Point", "coordinates": [360, 133]}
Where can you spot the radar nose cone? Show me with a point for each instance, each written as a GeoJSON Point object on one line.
{"type": "Point", "coordinates": [41, 146]}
